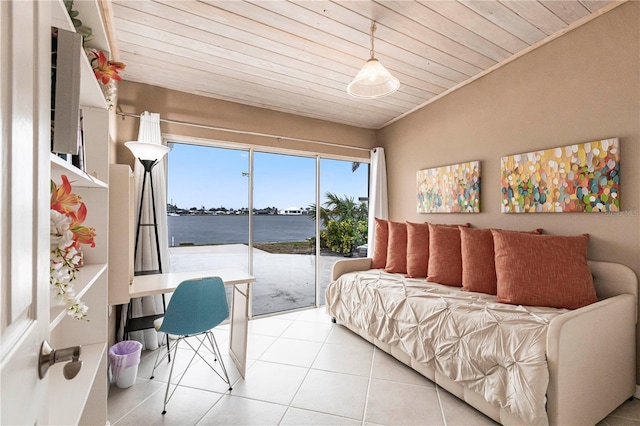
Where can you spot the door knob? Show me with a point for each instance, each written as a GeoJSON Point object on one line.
{"type": "Point", "coordinates": [50, 356]}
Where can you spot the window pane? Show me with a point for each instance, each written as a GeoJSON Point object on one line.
{"type": "Point", "coordinates": [283, 256]}
{"type": "Point", "coordinates": [344, 191]}
{"type": "Point", "coordinates": [207, 189]}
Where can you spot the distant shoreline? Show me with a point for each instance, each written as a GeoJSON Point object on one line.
{"type": "Point", "coordinates": [234, 229]}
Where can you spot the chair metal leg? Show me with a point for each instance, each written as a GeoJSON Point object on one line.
{"type": "Point", "coordinates": [218, 355]}
{"type": "Point", "coordinates": [158, 359]}
{"type": "Point", "coordinates": [215, 350]}
{"type": "Point", "coordinates": [166, 394]}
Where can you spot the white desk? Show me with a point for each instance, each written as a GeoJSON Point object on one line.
{"type": "Point", "coordinates": [149, 285]}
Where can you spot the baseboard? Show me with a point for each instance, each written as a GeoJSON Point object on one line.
{"type": "Point", "coordinates": [637, 394]}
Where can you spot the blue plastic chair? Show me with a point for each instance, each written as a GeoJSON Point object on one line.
{"type": "Point", "coordinates": [195, 308]}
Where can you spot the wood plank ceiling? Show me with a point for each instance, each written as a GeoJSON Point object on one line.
{"type": "Point", "coordinates": [299, 56]}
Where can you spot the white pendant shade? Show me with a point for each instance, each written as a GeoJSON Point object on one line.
{"type": "Point", "coordinates": [147, 151]}
{"type": "Point", "coordinates": [373, 81]}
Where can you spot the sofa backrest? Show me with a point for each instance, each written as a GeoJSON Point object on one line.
{"type": "Point", "coordinates": [611, 279]}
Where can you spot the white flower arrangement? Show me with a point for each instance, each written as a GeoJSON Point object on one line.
{"type": "Point", "coordinates": [65, 261]}
{"type": "Point", "coordinates": [66, 235]}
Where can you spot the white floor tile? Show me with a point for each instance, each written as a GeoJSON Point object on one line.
{"type": "Point", "coordinates": [402, 404]}
{"type": "Point", "coordinates": [458, 413]}
{"type": "Point", "coordinates": [186, 406]}
{"type": "Point", "coordinates": [347, 359]}
{"type": "Point", "coordinates": [297, 417]}
{"type": "Point", "coordinates": [270, 382]}
{"type": "Point", "coordinates": [201, 376]}
{"type": "Point", "coordinates": [314, 315]}
{"type": "Point", "coordinates": [303, 330]}
{"type": "Point", "coordinates": [232, 410]}
{"type": "Point", "coordinates": [333, 393]}
{"type": "Point", "coordinates": [270, 326]}
{"type": "Point", "coordinates": [293, 352]}
{"type": "Point", "coordinates": [257, 344]}
{"type": "Point", "coordinates": [628, 410]}
{"type": "Point", "coordinates": [386, 367]}
{"type": "Point", "coordinates": [343, 336]}
{"type": "Point", "coordinates": [123, 401]}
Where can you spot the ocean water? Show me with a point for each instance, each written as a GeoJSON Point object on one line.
{"type": "Point", "coordinates": [232, 229]}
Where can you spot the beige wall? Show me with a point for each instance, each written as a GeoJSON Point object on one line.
{"type": "Point", "coordinates": [136, 98]}
{"type": "Point", "coordinates": [581, 87]}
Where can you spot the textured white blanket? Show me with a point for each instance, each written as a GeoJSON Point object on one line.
{"type": "Point", "coordinates": [494, 349]}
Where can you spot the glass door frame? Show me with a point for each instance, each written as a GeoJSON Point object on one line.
{"type": "Point", "coordinates": [251, 150]}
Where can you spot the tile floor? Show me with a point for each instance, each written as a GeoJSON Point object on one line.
{"type": "Point", "coordinates": [302, 370]}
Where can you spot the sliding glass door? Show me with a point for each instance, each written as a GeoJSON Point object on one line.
{"type": "Point", "coordinates": [284, 260]}
{"type": "Point", "coordinates": [216, 221]}
{"type": "Point", "coordinates": [208, 218]}
{"type": "Point", "coordinates": [343, 213]}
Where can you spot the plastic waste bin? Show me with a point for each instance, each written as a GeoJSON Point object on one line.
{"type": "Point", "coordinates": [124, 358]}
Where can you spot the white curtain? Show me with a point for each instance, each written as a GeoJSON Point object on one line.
{"type": "Point", "coordinates": [147, 255]}
{"type": "Point", "coordinates": [378, 200]}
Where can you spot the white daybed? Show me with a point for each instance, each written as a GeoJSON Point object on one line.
{"type": "Point", "coordinates": [590, 352]}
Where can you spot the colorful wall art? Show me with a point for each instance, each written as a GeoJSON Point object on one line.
{"type": "Point", "coordinates": [575, 178]}
{"type": "Point", "coordinates": [450, 189]}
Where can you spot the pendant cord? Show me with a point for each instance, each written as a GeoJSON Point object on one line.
{"type": "Point", "coordinates": [373, 29]}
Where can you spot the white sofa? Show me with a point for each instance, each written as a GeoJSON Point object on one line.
{"type": "Point", "coordinates": [590, 351]}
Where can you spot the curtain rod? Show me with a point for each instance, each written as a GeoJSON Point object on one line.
{"type": "Point", "coordinates": [246, 132]}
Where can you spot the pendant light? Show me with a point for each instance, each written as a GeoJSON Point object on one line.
{"type": "Point", "coordinates": [373, 80]}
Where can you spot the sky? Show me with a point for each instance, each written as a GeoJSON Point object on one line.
{"type": "Point", "coordinates": [214, 177]}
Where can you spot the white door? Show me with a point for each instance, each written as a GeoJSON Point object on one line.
{"type": "Point", "coordinates": [24, 207]}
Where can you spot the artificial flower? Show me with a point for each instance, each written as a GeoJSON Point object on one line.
{"type": "Point", "coordinates": [84, 235]}
{"type": "Point", "coordinates": [105, 69]}
{"type": "Point", "coordinates": [62, 200]}
{"type": "Point", "coordinates": [81, 234]}
{"type": "Point", "coordinates": [65, 237]}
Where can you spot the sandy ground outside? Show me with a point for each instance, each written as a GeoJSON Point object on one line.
{"type": "Point", "coordinates": [283, 281]}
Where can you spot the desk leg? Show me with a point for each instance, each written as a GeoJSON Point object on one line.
{"type": "Point", "coordinates": [239, 325]}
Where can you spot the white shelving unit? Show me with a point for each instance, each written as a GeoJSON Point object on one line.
{"type": "Point", "coordinates": [83, 400]}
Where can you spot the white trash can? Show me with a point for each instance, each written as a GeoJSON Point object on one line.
{"type": "Point", "coordinates": [124, 358]}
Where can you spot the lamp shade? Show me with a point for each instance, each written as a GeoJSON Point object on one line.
{"type": "Point", "coordinates": [147, 151]}
{"type": "Point", "coordinates": [373, 81]}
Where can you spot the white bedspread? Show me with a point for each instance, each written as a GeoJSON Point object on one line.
{"type": "Point", "coordinates": [497, 350]}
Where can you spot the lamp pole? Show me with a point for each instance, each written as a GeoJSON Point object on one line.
{"type": "Point", "coordinates": [148, 166]}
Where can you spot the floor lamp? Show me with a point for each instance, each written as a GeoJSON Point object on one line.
{"type": "Point", "coordinates": [148, 154]}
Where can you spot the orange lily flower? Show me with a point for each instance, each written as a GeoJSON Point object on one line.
{"type": "Point", "coordinates": [62, 200]}
{"type": "Point", "coordinates": [105, 69]}
{"type": "Point", "coordinates": [84, 235]}
{"type": "Point", "coordinates": [81, 234]}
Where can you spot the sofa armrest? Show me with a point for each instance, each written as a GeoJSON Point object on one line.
{"type": "Point", "coordinates": [591, 355]}
{"type": "Point", "coordinates": [350, 265]}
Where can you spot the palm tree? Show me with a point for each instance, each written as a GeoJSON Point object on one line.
{"type": "Point", "coordinates": [344, 222]}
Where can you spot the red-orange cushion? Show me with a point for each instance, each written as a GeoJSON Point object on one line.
{"type": "Point", "coordinates": [543, 270]}
{"type": "Point", "coordinates": [417, 249]}
{"type": "Point", "coordinates": [478, 263]}
{"type": "Point", "coordinates": [381, 238]}
{"type": "Point", "coordinates": [445, 257]}
{"type": "Point", "coordinates": [397, 248]}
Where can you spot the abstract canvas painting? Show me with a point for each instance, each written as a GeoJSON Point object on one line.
{"type": "Point", "coordinates": [575, 178]}
{"type": "Point", "coordinates": [449, 189]}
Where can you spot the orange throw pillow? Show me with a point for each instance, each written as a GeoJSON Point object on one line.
{"type": "Point", "coordinates": [381, 239]}
{"type": "Point", "coordinates": [417, 249]}
{"type": "Point", "coordinates": [478, 260]}
{"type": "Point", "coordinates": [543, 270]}
{"type": "Point", "coordinates": [445, 256]}
{"type": "Point", "coordinates": [397, 248]}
